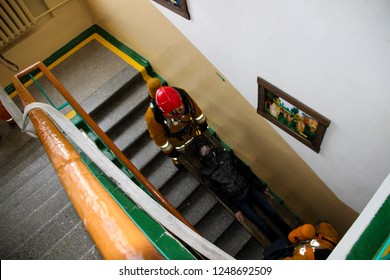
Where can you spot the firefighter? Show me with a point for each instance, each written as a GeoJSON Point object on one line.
{"type": "Point", "coordinates": [173, 119]}
{"type": "Point", "coordinates": [307, 242]}
{"type": "Point", "coordinates": [313, 242]}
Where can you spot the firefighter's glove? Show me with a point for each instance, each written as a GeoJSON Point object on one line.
{"type": "Point", "coordinates": [203, 127]}
{"type": "Point", "coordinates": [173, 154]}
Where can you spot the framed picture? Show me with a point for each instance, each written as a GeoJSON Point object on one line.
{"type": "Point", "coordinates": [292, 116]}
{"type": "Point", "coordinates": [177, 6]}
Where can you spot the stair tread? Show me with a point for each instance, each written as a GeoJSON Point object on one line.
{"type": "Point", "coordinates": [233, 239]}
{"type": "Point", "coordinates": [26, 189]}
{"type": "Point", "coordinates": [143, 151]}
{"type": "Point", "coordinates": [214, 223]}
{"type": "Point", "coordinates": [33, 202]}
{"type": "Point", "coordinates": [19, 155]}
{"type": "Point", "coordinates": [252, 250]}
{"type": "Point", "coordinates": [24, 156]}
{"type": "Point", "coordinates": [116, 109]}
{"type": "Point", "coordinates": [197, 205]}
{"type": "Point", "coordinates": [92, 254]}
{"type": "Point", "coordinates": [55, 229]}
{"type": "Point", "coordinates": [32, 223]}
{"type": "Point", "coordinates": [160, 170]}
{"type": "Point", "coordinates": [88, 69]}
{"type": "Point", "coordinates": [109, 89]}
{"type": "Point", "coordinates": [179, 188]}
{"type": "Point", "coordinates": [75, 243]}
{"type": "Point", "coordinates": [10, 185]}
{"type": "Point", "coordinates": [130, 130]}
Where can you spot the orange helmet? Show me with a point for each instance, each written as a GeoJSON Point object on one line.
{"type": "Point", "coordinates": [302, 233]}
{"type": "Point", "coordinates": [170, 102]}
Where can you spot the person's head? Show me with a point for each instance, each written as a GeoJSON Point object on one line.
{"type": "Point", "coordinates": [153, 85]}
{"type": "Point", "coordinates": [204, 150]}
{"type": "Point", "coordinates": [169, 101]}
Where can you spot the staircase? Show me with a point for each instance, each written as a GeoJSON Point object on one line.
{"type": "Point", "coordinates": [121, 117]}
{"type": "Point", "coordinates": [118, 106]}
{"type": "Point", "coordinates": [37, 219]}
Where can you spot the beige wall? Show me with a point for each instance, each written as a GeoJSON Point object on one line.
{"type": "Point", "coordinates": [143, 28]}
{"type": "Point", "coordinates": [51, 33]}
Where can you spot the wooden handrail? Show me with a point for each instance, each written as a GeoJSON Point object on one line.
{"type": "Point", "coordinates": [110, 144]}
{"type": "Point", "coordinates": [114, 233]}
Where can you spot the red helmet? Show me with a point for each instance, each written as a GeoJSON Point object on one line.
{"type": "Point", "coordinates": [169, 101]}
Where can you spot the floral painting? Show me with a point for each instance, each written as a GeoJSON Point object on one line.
{"type": "Point", "coordinates": [297, 119]}
{"type": "Point", "coordinates": [290, 116]}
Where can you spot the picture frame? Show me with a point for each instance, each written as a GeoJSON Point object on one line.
{"type": "Point", "coordinates": [177, 6]}
{"type": "Point", "coordinates": [292, 116]}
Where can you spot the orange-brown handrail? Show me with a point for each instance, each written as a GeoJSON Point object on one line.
{"type": "Point", "coordinates": [110, 144]}
{"type": "Point", "coordinates": [114, 233]}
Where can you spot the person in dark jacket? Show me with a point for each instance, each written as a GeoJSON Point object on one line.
{"type": "Point", "coordinates": [238, 188]}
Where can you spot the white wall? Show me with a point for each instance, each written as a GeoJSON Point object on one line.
{"type": "Point", "coordinates": [334, 56]}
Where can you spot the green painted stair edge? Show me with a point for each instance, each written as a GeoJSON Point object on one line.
{"type": "Point", "coordinates": [94, 29]}
{"type": "Point", "coordinates": [373, 237]}
{"type": "Point", "coordinates": [168, 245]}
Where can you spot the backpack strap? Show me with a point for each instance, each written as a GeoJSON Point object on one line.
{"type": "Point", "coordinates": [187, 101]}
{"type": "Point", "coordinates": [158, 114]}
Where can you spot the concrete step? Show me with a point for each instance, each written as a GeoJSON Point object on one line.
{"type": "Point", "coordinates": [25, 190]}
{"type": "Point", "coordinates": [93, 103]}
{"type": "Point", "coordinates": [92, 254]}
{"type": "Point", "coordinates": [74, 242]}
{"type": "Point", "coordinates": [248, 252]}
{"type": "Point", "coordinates": [233, 238]}
{"type": "Point", "coordinates": [21, 158]}
{"type": "Point", "coordinates": [30, 204]}
{"type": "Point", "coordinates": [127, 132]}
{"type": "Point", "coordinates": [35, 225]}
{"type": "Point", "coordinates": [197, 205]}
{"type": "Point", "coordinates": [121, 104]}
{"type": "Point", "coordinates": [160, 170]}
{"type": "Point", "coordinates": [142, 151]}
{"type": "Point", "coordinates": [12, 178]}
{"type": "Point", "coordinates": [179, 188]}
{"type": "Point", "coordinates": [214, 223]}
{"type": "Point", "coordinates": [49, 235]}
{"type": "Point", "coordinates": [31, 224]}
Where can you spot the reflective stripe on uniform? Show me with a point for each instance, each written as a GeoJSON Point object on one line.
{"type": "Point", "coordinates": [182, 147]}
{"type": "Point", "coordinates": [200, 119]}
{"type": "Point", "coordinates": [167, 147]}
